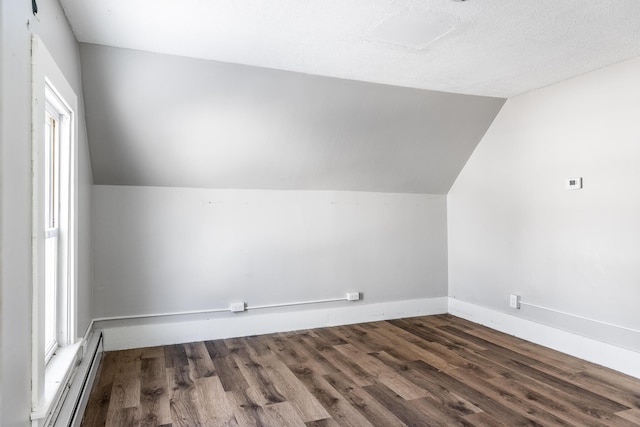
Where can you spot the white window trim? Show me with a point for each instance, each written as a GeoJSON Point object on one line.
{"type": "Point", "coordinates": [63, 230]}
{"type": "Point", "coordinates": [54, 113]}
{"type": "Point", "coordinates": [46, 388]}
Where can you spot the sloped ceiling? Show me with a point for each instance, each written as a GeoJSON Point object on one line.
{"type": "Point", "coordinates": [163, 120]}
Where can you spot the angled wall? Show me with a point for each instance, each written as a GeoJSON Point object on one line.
{"type": "Point", "coordinates": [572, 255]}
{"type": "Point", "coordinates": [162, 120]}
{"type": "Point", "coordinates": [219, 182]}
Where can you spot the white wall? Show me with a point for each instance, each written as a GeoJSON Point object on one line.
{"type": "Point", "coordinates": [514, 228]}
{"type": "Point", "coordinates": [15, 194]}
{"type": "Point", "coordinates": [174, 249]}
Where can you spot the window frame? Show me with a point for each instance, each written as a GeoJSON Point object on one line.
{"type": "Point", "coordinates": [57, 196]}
{"type": "Point", "coordinates": [51, 91]}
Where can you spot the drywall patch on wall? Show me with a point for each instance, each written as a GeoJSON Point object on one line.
{"type": "Point", "coordinates": [159, 250]}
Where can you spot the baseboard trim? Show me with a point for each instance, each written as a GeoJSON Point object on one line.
{"type": "Point", "coordinates": [608, 355]}
{"type": "Point", "coordinates": [120, 334]}
{"type": "Point", "coordinates": [124, 334]}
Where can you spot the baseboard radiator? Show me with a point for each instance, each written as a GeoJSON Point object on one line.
{"type": "Point", "coordinates": [72, 407]}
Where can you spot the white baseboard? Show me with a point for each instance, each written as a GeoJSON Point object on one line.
{"type": "Point", "coordinates": [164, 330]}
{"type": "Point", "coordinates": [611, 356]}
{"type": "Point", "coordinates": [170, 330]}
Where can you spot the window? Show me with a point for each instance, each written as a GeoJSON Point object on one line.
{"type": "Point", "coordinates": [52, 231]}
{"type": "Point", "coordinates": [57, 197]}
{"type": "Point", "coordinates": [54, 186]}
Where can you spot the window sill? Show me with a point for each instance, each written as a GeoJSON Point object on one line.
{"type": "Point", "coordinates": [57, 375]}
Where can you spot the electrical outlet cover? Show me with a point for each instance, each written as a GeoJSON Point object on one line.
{"type": "Point", "coordinates": [237, 306]}
{"type": "Point", "coordinates": [514, 301]}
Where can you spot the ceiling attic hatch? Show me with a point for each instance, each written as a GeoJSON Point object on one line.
{"type": "Point", "coordinates": [412, 29]}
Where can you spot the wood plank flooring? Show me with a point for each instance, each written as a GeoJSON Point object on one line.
{"type": "Point", "coordinates": [424, 371]}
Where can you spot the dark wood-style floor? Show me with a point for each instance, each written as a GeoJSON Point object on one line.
{"type": "Point", "coordinates": [426, 371]}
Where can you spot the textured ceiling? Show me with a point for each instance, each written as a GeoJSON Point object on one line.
{"type": "Point", "coordinates": [494, 48]}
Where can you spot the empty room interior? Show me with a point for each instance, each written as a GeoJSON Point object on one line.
{"type": "Point", "coordinates": [287, 213]}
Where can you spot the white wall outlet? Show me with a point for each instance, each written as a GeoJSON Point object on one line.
{"type": "Point", "coordinates": [237, 306]}
{"type": "Point", "coordinates": [353, 296]}
{"type": "Point", "coordinates": [574, 183]}
{"type": "Point", "coordinates": [514, 301]}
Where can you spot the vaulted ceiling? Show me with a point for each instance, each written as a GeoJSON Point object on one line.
{"type": "Point", "coordinates": [375, 95]}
